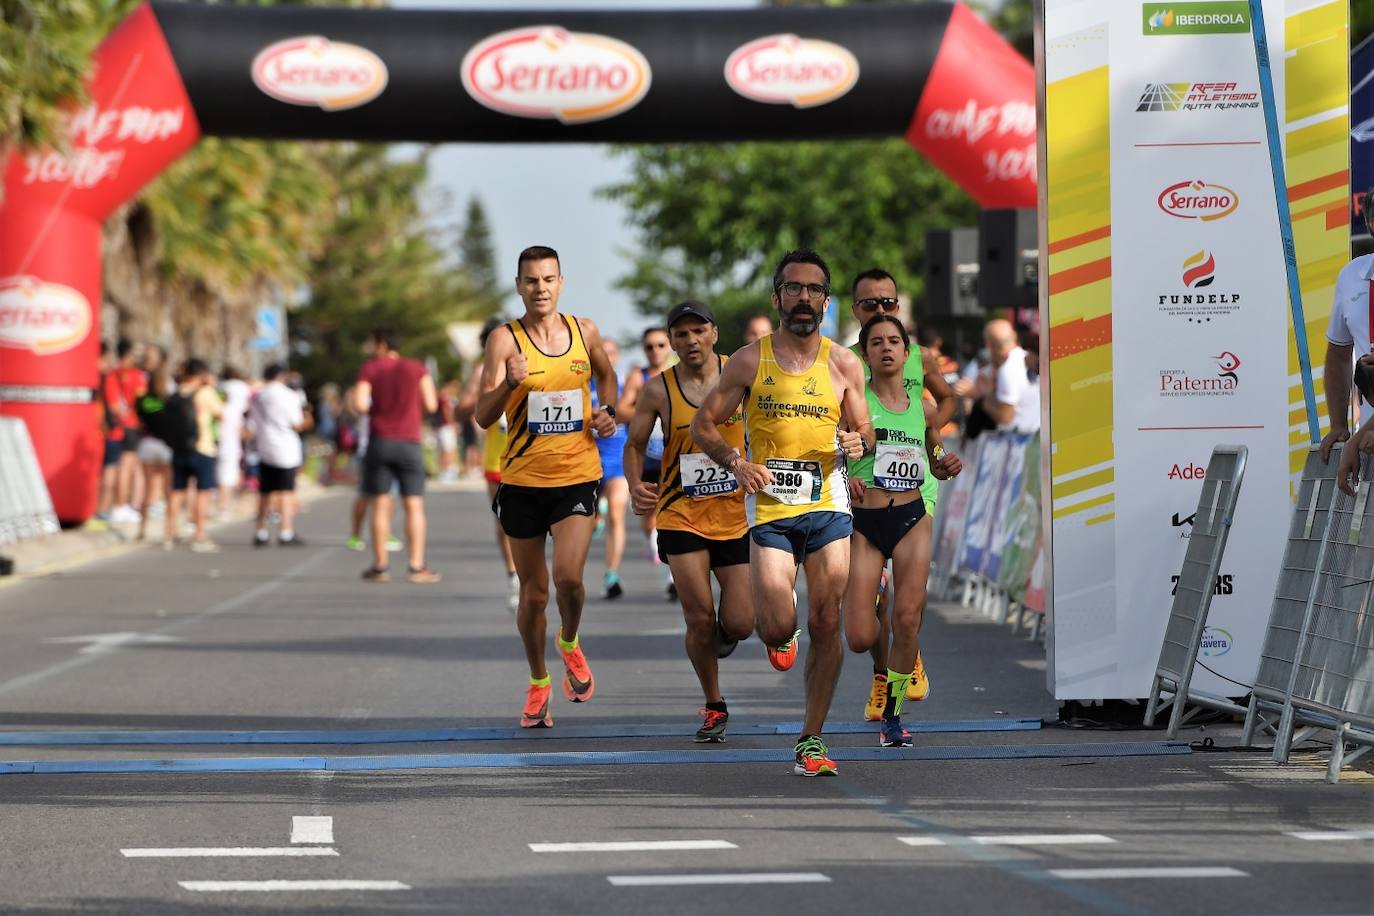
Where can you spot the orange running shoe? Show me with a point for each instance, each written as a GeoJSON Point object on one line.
{"type": "Point", "coordinates": [784, 655]}
{"type": "Point", "coordinates": [918, 688]}
{"type": "Point", "coordinates": [877, 699]}
{"type": "Point", "coordinates": [813, 758]}
{"type": "Point", "coordinates": [578, 682]}
{"type": "Point", "coordinates": [536, 713]}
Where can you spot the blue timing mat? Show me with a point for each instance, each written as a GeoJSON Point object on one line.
{"type": "Point", "coordinates": [591, 758]}
{"type": "Point", "coordinates": [419, 736]}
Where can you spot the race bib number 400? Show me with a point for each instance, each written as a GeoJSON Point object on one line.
{"type": "Point", "coordinates": [553, 413]}
{"type": "Point", "coordinates": [899, 467]}
{"type": "Point", "coordinates": [795, 483]}
{"type": "Point", "coordinates": [702, 477]}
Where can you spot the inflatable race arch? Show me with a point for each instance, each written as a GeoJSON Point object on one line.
{"type": "Point", "coordinates": [173, 72]}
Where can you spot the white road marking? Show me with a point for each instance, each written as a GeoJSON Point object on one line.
{"type": "Point", "coordinates": [796, 877]}
{"type": "Point", "coordinates": [1098, 874]}
{"type": "Point", "coordinates": [338, 885]}
{"type": "Point", "coordinates": [312, 829]}
{"type": "Point", "coordinates": [105, 642]}
{"type": "Point", "coordinates": [633, 846]}
{"type": "Point", "coordinates": [1331, 835]}
{"type": "Point", "coordinates": [1029, 839]}
{"type": "Point", "coordinates": [207, 852]}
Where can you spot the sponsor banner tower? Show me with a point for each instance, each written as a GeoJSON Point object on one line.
{"type": "Point", "coordinates": [1169, 325]}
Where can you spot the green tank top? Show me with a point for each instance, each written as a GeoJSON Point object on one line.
{"type": "Point", "coordinates": [913, 377]}
{"type": "Point", "coordinates": [898, 462]}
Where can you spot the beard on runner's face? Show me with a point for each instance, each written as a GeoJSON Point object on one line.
{"type": "Point", "coordinates": [803, 320]}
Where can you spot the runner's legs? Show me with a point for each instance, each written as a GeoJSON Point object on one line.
{"type": "Point", "coordinates": [617, 496]}
{"type": "Point", "coordinates": [692, 573]}
{"type": "Point", "coordinates": [530, 616]}
{"type": "Point", "coordinates": [911, 567]}
{"type": "Point", "coordinates": [827, 570]}
{"type": "Point", "coordinates": [772, 578]}
{"type": "Point", "coordinates": [862, 629]}
{"type": "Point", "coordinates": [572, 539]}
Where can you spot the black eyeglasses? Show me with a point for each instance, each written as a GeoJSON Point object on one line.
{"type": "Point", "coordinates": [793, 288]}
{"type": "Point", "coordinates": [886, 303]}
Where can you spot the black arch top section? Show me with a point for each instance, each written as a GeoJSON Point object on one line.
{"type": "Point", "coordinates": [688, 99]}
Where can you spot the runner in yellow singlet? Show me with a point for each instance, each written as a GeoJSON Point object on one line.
{"type": "Point", "coordinates": [804, 414]}
{"type": "Point", "coordinates": [492, 451]}
{"type": "Point", "coordinates": [700, 506]}
{"type": "Point", "coordinates": [537, 373]}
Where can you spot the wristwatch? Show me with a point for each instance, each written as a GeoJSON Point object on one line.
{"type": "Point", "coordinates": [610, 410]}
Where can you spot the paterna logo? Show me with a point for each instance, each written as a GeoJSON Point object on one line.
{"type": "Point", "coordinates": [545, 71]}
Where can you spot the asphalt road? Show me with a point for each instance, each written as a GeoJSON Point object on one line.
{"type": "Point", "coordinates": [253, 642]}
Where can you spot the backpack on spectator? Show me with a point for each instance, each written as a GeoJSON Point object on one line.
{"type": "Point", "coordinates": [178, 423]}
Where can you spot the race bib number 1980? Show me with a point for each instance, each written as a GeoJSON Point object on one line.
{"type": "Point", "coordinates": [795, 483]}
{"type": "Point", "coordinates": [553, 413]}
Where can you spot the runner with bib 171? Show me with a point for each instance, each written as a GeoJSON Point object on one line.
{"type": "Point", "coordinates": [804, 413]}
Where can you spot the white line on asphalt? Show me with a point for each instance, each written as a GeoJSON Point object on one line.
{"type": "Point", "coordinates": [1097, 874]}
{"type": "Point", "coordinates": [343, 885]}
{"type": "Point", "coordinates": [312, 829]}
{"type": "Point", "coordinates": [795, 877]}
{"type": "Point", "coordinates": [1332, 835]}
{"type": "Point", "coordinates": [633, 846]}
{"type": "Point", "coordinates": [204, 852]}
{"type": "Point", "coordinates": [1029, 839]}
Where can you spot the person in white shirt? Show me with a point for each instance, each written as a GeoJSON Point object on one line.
{"type": "Point", "coordinates": [278, 418]}
{"type": "Point", "coordinates": [1008, 394]}
{"type": "Point", "coordinates": [228, 474]}
{"type": "Point", "coordinates": [1349, 337]}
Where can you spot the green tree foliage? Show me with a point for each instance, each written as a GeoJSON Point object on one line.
{"type": "Point", "coordinates": [477, 255]}
{"type": "Point", "coordinates": [712, 220]}
{"type": "Point", "coordinates": [378, 264]}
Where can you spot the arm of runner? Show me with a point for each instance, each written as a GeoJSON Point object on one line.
{"type": "Point", "coordinates": [856, 434]}
{"type": "Point", "coordinates": [939, 389]}
{"type": "Point", "coordinates": [467, 398]}
{"type": "Point", "coordinates": [1337, 379]}
{"type": "Point", "coordinates": [643, 496]}
{"type": "Point", "coordinates": [718, 407]}
{"type": "Point", "coordinates": [943, 464]}
{"type": "Point", "coordinates": [428, 396]}
{"type": "Point", "coordinates": [1348, 472]}
{"type": "Point", "coordinates": [604, 373]}
{"type": "Point", "coordinates": [629, 397]}
{"type": "Point", "coordinates": [503, 371]}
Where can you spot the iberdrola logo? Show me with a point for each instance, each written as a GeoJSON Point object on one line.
{"type": "Point", "coordinates": [1162, 19]}
{"type": "Point", "coordinates": [1199, 270]}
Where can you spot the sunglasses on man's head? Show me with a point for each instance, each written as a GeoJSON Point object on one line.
{"type": "Point", "coordinates": [886, 303]}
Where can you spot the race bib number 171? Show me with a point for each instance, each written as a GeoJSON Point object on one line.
{"type": "Point", "coordinates": [554, 413]}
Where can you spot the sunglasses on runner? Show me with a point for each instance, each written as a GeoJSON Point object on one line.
{"type": "Point", "coordinates": [887, 304]}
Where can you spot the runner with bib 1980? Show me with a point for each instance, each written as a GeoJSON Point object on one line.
{"type": "Point", "coordinates": [890, 518]}
{"type": "Point", "coordinates": [804, 413]}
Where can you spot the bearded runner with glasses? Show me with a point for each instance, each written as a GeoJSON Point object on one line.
{"type": "Point", "coordinates": [804, 413]}
{"type": "Point", "coordinates": [875, 293]}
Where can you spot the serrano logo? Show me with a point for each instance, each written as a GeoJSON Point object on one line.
{"type": "Point", "coordinates": [43, 317]}
{"type": "Point", "coordinates": [545, 71]}
{"type": "Point", "coordinates": [1198, 200]}
{"type": "Point", "coordinates": [312, 70]}
{"type": "Point", "coordinates": [786, 69]}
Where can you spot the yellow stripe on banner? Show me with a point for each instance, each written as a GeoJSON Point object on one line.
{"type": "Point", "coordinates": [1316, 81]}
{"type": "Point", "coordinates": [1080, 255]}
{"type": "Point", "coordinates": [1099, 519]}
{"type": "Point", "coordinates": [1078, 508]}
{"type": "Point", "coordinates": [1076, 134]}
{"type": "Point", "coordinates": [1311, 26]}
{"type": "Point", "coordinates": [1086, 482]}
{"type": "Point", "coordinates": [1318, 138]}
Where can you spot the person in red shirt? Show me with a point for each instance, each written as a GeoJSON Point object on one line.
{"type": "Point", "coordinates": [391, 391]}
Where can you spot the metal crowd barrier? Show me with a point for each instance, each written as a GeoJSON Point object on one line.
{"type": "Point", "coordinates": [25, 508]}
{"type": "Point", "coordinates": [988, 547]}
{"type": "Point", "coordinates": [1216, 508]}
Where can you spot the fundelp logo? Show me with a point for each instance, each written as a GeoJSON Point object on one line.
{"type": "Point", "coordinates": [44, 318]}
{"type": "Point", "coordinates": [1198, 200]}
{"type": "Point", "coordinates": [788, 70]}
{"type": "Point", "coordinates": [1219, 17]}
{"type": "Point", "coordinates": [1198, 302]}
{"type": "Point", "coordinates": [545, 71]}
{"type": "Point", "coordinates": [1215, 642]}
{"type": "Point", "coordinates": [312, 70]}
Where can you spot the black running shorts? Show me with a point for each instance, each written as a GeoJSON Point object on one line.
{"type": "Point", "coordinates": [885, 528]}
{"type": "Point", "coordinates": [732, 552]}
{"type": "Point", "coordinates": [529, 512]}
{"type": "Point", "coordinates": [390, 460]}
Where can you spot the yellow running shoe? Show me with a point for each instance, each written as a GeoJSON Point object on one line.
{"type": "Point", "coordinates": [918, 688]}
{"type": "Point", "coordinates": [877, 699]}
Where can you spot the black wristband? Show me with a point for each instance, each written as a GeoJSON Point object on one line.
{"type": "Point", "coordinates": [610, 410]}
